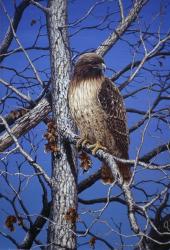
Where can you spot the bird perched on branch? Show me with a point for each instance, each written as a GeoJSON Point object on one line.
{"type": "Point", "coordinates": [98, 110]}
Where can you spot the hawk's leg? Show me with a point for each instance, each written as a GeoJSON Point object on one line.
{"type": "Point", "coordinates": [82, 141]}
{"type": "Point", "coordinates": [95, 147]}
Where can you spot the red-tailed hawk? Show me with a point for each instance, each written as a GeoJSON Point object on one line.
{"type": "Point", "coordinates": [98, 109]}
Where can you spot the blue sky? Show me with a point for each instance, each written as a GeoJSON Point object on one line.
{"type": "Point", "coordinates": [118, 57]}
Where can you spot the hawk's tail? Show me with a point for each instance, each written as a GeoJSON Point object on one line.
{"type": "Point", "coordinates": [107, 176]}
{"type": "Point", "coordinates": [125, 171]}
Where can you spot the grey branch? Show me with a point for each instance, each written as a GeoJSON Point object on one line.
{"type": "Point", "coordinates": [15, 22]}
{"type": "Point", "coordinates": [25, 123]}
{"type": "Point", "coordinates": [20, 45]}
{"type": "Point", "coordinates": [132, 65]}
{"type": "Point", "coordinates": [16, 91]}
{"type": "Point", "coordinates": [25, 154]}
{"type": "Point", "coordinates": [147, 157]}
{"type": "Point", "coordinates": [36, 228]}
{"type": "Point", "coordinates": [41, 7]}
{"type": "Point", "coordinates": [122, 27]}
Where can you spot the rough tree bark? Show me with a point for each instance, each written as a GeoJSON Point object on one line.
{"type": "Point", "coordinates": [64, 188]}
{"type": "Point", "coordinates": [25, 123]}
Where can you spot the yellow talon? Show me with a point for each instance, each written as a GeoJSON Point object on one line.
{"type": "Point", "coordinates": [82, 142]}
{"type": "Point", "coordinates": [96, 147]}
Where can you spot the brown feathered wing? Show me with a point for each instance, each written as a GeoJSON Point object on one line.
{"type": "Point", "coordinates": [112, 103]}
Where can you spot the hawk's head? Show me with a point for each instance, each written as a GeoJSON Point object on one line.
{"type": "Point", "coordinates": [89, 65]}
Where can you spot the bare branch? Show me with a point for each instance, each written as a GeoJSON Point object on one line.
{"type": "Point", "coordinates": [40, 6]}
{"type": "Point", "coordinates": [25, 123]}
{"type": "Point", "coordinates": [147, 157]}
{"type": "Point", "coordinates": [15, 22]}
{"type": "Point", "coordinates": [9, 237]}
{"type": "Point", "coordinates": [25, 154]}
{"type": "Point", "coordinates": [121, 11]}
{"type": "Point", "coordinates": [145, 58]}
{"type": "Point", "coordinates": [36, 227]}
{"type": "Point", "coordinates": [16, 91]}
{"type": "Point", "coordinates": [120, 30]}
{"type": "Point", "coordinates": [137, 63]}
{"type": "Point", "coordinates": [89, 181]}
{"type": "Point", "coordinates": [24, 51]}
{"type": "Point", "coordinates": [86, 15]}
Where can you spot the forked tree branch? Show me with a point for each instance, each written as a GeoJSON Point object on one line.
{"type": "Point", "coordinates": [154, 152]}
{"type": "Point", "coordinates": [132, 65]}
{"type": "Point", "coordinates": [15, 22]}
{"type": "Point", "coordinates": [16, 91]}
{"type": "Point", "coordinates": [25, 123]}
{"type": "Point", "coordinates": [36, 228]}
{"type": "Point", "coordinates": [41, 7]}
{"type": "Point", "coordinates": [122, 27]}
{"type": "Point", "coordinates": [32, 162]}
{"type": "Point", "coordinates": [20, 45]}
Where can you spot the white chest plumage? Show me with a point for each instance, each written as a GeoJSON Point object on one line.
{"type": "Point", "coordinates": [86, 110]}
{"type": "Point", "coordinates": [82, 99]}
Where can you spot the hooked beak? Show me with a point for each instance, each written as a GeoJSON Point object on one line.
{"type": "Point", "coordinates": [100, 66]}
{"type": "Point", "coordinates": [103, 66]}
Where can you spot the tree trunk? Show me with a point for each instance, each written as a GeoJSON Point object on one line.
{"type": "Point", "coordinates": [64, 173]}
